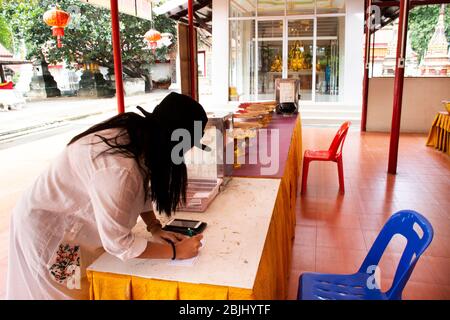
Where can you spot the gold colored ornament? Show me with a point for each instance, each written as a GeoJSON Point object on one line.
{"type": "Point", "coordinates": [296, 58]}
{"type": "Point", "coordinates": [276, 64]}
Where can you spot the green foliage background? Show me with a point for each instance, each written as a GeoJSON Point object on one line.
{"type": "Point", "coordinates": [422, 22]}
{"type": "Point", "coordinates": [5, 34]}
{"type": "Point", "coordinates": [87, 38]}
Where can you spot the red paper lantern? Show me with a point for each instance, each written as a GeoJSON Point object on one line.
{"type": "Point", "coordinates": [153, 36]}
{"type": "Point", "coordinates": [58, 20]}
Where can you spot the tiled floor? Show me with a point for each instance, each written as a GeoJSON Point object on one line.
{"type": "Point", "coordinates": [334, 232]}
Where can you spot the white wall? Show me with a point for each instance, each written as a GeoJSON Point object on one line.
{"type": "Point", "coordinates": [161, 71]}
{"type": "Point", "coordinates": [422, 99]}
{"type": "Point", "coordinates": [354, 50]}
{"type": "Point", "coordinates": [220, 51]}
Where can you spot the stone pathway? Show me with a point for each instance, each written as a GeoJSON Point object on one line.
{"type": "Point", "coordinates": [56, 111]}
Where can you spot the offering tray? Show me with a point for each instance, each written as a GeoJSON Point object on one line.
{"type": "Point", "coordinates": [246, 125]}
{"type": "Point", "coordinates": [200, 193]}
{"type": "Point", "coordinates": [260, 107]}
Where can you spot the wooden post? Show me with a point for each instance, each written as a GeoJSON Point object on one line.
{"type": "Point", "coordinates": [398, 86]}
{"type": "Point", "coordinates": [366, 65]}
{"type": "Point", "coordinates": [117, 55]}
{"type": "Point", "coordinates": [2, 74]}
{"type": "Point", "coordinates": [192, 44]}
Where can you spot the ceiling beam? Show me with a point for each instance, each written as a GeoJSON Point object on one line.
{"type": "Point", "coordinates": [196, 24]}
{"type": "Point", "coordinates": [183, 11]}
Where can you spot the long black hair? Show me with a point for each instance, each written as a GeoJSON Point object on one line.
{"type": "Point", "coordinates": [148, 142]}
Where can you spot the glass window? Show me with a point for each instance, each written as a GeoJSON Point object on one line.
{"type": "Point", "coordinates": [427, 53]}
{"type": "Point", "coordinates": [271, 7]}
{"type": "Point", "coordinates": [301, 28]}
{"type": "Point", "coordinates": [300, 54]}
{"type": "Point", "coordinates": [242, 8]}
{"type": "Point", "coordinates": [242, 62]}
{"type": "Point", "coordinates": [270, 53]}
{"type": "Point", "coordinates": [330, 6]}
{"type": "Point", "coordinates": [300, 6]}
{"type": "Point", "coordinates": [329, 58]}
{"type": "Point", "coordinates": [427, 45]}
{"type": "Point", "coordinates": [257, 48]}
{"type": "Point", "coordinates": [383, 53]}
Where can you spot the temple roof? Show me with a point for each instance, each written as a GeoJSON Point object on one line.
{"type": "Point", "coordinates": [438, 45]}
{"type": "Point", "coordinates": [6, 57]}
{"type": "Point", "coordinates": [436, 60]}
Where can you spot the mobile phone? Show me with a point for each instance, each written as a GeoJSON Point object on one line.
{"type": "Point", "coordinates": [182, 223]}
{"type": "Point", "coordinates": [187, 227]}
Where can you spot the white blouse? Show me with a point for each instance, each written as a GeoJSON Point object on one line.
{"type": "Point", "coordinates": [85, 202]}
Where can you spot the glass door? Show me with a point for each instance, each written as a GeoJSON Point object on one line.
{"type": "Point", "coordinates": [242, 60]}
{"type": "Point", "coordinates": [273, 39]}
{"type": "Point", "coordinates": [269, 56]}
{"type": "Point", "coordinates": [330, 53]}
{"type": "Point", "coordinates": [301, 55]}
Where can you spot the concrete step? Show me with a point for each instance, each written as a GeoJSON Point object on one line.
{"type": "Point", "coordinates": [326, 114]}
{"type": "Point", "coordinates": [326, 121]}
{"type": "Point", "coordinates": [328, 106]}
{"type": "Point", "coordinates": [330, 113]}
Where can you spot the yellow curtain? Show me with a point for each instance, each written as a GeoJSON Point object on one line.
{"type": "Point", "coordinates": [439, 136]}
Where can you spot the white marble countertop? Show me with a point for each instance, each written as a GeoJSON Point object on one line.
{"type": "Point", "coordinates": [238, 221]}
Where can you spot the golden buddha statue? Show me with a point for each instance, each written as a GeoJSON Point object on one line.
{"type": "Point", "coordinates": [297, 62]}
{"type": "Point", "coordinates": [277, 65]}
{"type": "Point", "coordinates": [296, 58]}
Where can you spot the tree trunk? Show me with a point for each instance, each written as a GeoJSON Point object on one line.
{"type": "Point", "coordinates": [148, 83]}
{"type": "Point", "coordinates": [42, 84]}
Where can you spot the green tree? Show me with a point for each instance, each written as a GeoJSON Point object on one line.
{"type": "Point", "coordinates": [5, 34]}
{"type": "Point", "coordinates": [87, 38]}
{"type": "Point", "coordinates": [422, 22]}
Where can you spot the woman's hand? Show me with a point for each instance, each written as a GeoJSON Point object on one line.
{"type": "Point", "coordinates": [188, 247]}
{"type": "Point", "coordinates": [158, 233]}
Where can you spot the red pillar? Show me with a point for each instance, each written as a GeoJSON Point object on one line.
{"type": "Point", "coordinates": [398, 86]}
{"type": "Point", "coordinates": [366, 65]}
{"type": "Point", "coordinates": [192, 64]}
{"type": "Point", "coordinates": [117, 55]}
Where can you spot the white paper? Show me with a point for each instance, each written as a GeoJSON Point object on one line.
{"type": "Point", "coordinates": [201, 194]}
{"type": "Point", "coordinates": [187, 262]}
{"type": "Point", "coordinates": [287, 92]}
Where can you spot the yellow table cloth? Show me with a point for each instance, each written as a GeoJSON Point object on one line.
{"type": "Point", "coordinates": [439, 136]}
{"type": "Point", "coordinates": [271, 280]}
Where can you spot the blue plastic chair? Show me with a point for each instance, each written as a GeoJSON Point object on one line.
{"type": "Point", "coordinates": [358, 286]}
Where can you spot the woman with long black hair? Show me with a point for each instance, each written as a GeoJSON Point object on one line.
{"type": "Point", "coordinates": [90, 198]}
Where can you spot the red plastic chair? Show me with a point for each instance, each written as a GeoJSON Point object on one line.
{"type": "Point", "coordinates": [334, 153]}
{"type": "Point", "coordinates": [9, 85]}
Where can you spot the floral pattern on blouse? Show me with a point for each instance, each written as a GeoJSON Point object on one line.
{"type": "Point", "coordinates": [67, 258]}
